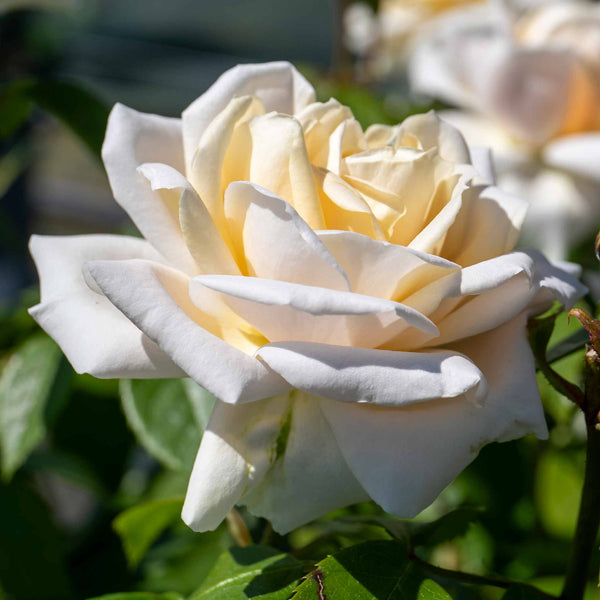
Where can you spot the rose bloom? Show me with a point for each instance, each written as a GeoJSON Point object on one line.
{"type": "Point", "coordinates": [349, 297]}
{"type": "Point", "coordinates": [382, 39]}
{"type": "Point", "coordinates": [529, 87]}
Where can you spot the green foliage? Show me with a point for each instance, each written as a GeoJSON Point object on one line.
{"type": "Point", "coordinates": [26, 387]}
{"type": "Point", "coordinates": [448, 527]}
{"type": "Point", "coordinates": [15, 107]}
{"type": "Point", "coordinates": [379, 570]}
{"type": "Point", "coordinates": [74, 106]}
{"type": "Point", "coordinates": [168, 418]}
{"type": "Point", "coordinates": [142, 524]}
{"type": "Point", "coordinates": [33, 562]}
{"type": "Point", "coordinates": [184, 559]}
{"type": "Point", "coordinates": [522, 592]}
{"type": "Point", "coordinates": [140, 596]}
{"type": "Point", "coordinates": [252, 572]}
{"type": "Point", "coordinates": [558, 482]}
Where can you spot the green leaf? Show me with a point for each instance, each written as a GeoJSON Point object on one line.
{"type": "Point", "coordinates": [558, 484]}
{"type": "Point", "coordinates": [523, 592]}
{"type": "Point", "coordinates": [397, 528]}
{"type": "Point", "coordinates": [140, 596]}
{"type": "Point", "coordinates": [252, 572]}
{"type": "Point", "coordinates": [77, 108]}
{"type": "Point", "coordinates": [183, 561]}
{"type": "Point", "coordinates": [26, 385]}
{"type": "Point", "coordinates": [139, 527]}
{"type": "Point", "coordinates": [33, 562]}
{"type": "Point", "coordinates": [15, 106]}
{"type": "Point", "coordinates": [168, 417]}
{"type": "Point", "coordinates": [378, 570]}
{"type": "Point", "coordinates": [450, 526]}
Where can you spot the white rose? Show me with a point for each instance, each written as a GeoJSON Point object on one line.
{"type": "Point", "coordinates": [530, 89]}
{"type": "Point", "coordinates": [382, 38]}
{"type": "Point", "coordinates": [346, 295]}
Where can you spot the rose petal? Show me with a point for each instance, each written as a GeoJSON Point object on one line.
{"type": "Point", "coordinates": [280, 163]}
{"type": "Point", "coordinates": [308, 476]}
{"type": "Point", "coordinates": [276, 242]}
{"type": "Point", "coordinates": [382, 269]}
{"type": "Point", "coordinates": [234, 455]}
{"type": "Point", "coordinates": [156, 299]}
{"type": "Point", "coordinates": [498, 217]}
{"type": "Point", "coordinates": [276, 456]}
{"type": "Point", "coordinates": [223, 155]}
{"type": "Point", "coordinates": [430, 131]}
{"type": "Point", "coordinates": [579, 154]}
{"type": "Point", "coordinates": [287, 311]}
{"type": "Point", "coordinates": [93, 334]}
{"type": "Point", "coordinates": [132, 139]}
{"type": "Point", "coordinates": [379, 377]}
{"type": "Point", "coordinates": [278, 85]}
{"type": "Point", "coordinates": [404, 457]}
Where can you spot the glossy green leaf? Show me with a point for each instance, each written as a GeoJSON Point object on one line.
{"type": "Point", "coordinates": [450, 526]}
{"type": "Point", "coordinates": [183, 561]}
{"type": "Point", "coordinates": [140, 596]}
{"type": "Point", "coordinates": [252, 572]}
{"type": "Point", "coordinates": [26, 385]}
{"type": "Point", "coordinates": [140, 526]}
{"type": "Point", "coordinates": [379, 570]}
{"type": "Point", "coordinates": [168, 417]}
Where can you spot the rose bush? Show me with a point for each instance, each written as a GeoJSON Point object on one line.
{"type": "Point", "coordinates": [529, 87]}
{"type": "Point", "coordinates": [349, 296]}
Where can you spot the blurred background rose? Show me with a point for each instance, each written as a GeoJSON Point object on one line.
{"type": "Point", "coordinates": [518, 76]}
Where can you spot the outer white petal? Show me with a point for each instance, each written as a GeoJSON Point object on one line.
{"type": "Point", "coordinates": [286, 311]}
{"type": "Point", "coordinates": [132, 139]}
{"type": "Point", "coordinates": [505, 358]}
{"type": "Point", "coordinates": [276, 242]}
{"type": "Point", "coordinates": [492, 292]}
{"type": "Point", "coordinates": [276, 456]}
{"type": "Point", "coordinates": [579, 154]}
{"type": "Point", "coordinates": [235, 452]}
{"type": "Point", "coordinates": [503, 287]}
{"type": "Point", "coordinates": [405, 456]}
{"type": "Point", "coordinates": [380, 377]}
{"type": "Point", "coordinates": [94, 335]}
{"type": "Point", "coordinates": [156, 299]}
{"type": "Point", "coordinates": [308, 476]}
{"type": "Point", "coordinates": [277, 84]}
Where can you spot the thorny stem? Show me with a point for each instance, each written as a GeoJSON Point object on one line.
{"type": "Point", "coordinates": [588, 521]}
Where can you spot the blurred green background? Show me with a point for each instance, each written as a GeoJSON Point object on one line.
{"type": "Point", "coordinates": [93, 472]}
